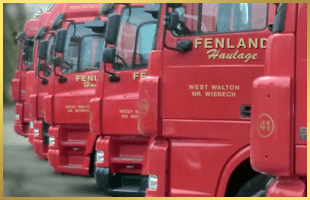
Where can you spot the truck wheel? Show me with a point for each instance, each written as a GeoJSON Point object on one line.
{"type": "Point", "coordinates": [92, 166]}
{"type": "Point", "coordinates": [256, 186]}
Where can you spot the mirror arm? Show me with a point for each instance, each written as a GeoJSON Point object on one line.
{"type": "Point", "coordinates": [44, 80]}
{"type": "Point", "coordinates": [111, 74]}
{"type": "Point", "coordinates": [164, 35]}
{"type": "Point", "coordinates": [123, 61]}
{"type": "Point", "coordinates": [61, 78]}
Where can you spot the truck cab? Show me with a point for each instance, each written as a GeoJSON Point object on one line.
{"type": "Point", "coordinates": [279, 106]}
{"type": "Point", "coordinates": [25, 64]}
{"type": "Point", "coordinates": [193, 106]}
{"type": "Point", "coordinates": [39, 79]}
{"type": "Point", "coordinates": [31, 76]}
{"type": "Point", "coordinates": [78, 51]}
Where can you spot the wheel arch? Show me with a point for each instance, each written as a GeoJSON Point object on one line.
{"type": "Point", "coordinates": [239, 160]}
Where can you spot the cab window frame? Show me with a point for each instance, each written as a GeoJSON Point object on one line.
{"type": "Point", "coordinates": [215, 32]}
{"type": "Point", "coordinates": [119, 66]}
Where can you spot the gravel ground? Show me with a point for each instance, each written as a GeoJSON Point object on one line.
{"type": "Point", "coordinates": [25, 175]}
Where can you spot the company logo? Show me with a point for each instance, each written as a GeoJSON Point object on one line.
{"type": "Point", "coordinates": [215, 45]}
{"type": "Point", "coordinates": [89, 81]}
{"type": "Point", "coordinates": [143, 106]}
{"type": "Point", "coordinates": [265, 125]}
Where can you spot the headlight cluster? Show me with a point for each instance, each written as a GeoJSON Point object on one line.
{"type": "Point", "coordinates": [100, 156]}
{"type": "Point", "coordinates": [153, 182]}
{"type": "Point", "coordinates": [31, 124]}
{"type": "Point", "coordinates": [17, 116]}
{"type": "Point", "coordinates": [36, 132]}
{"type": "Point", "coordinates": [51, 140]}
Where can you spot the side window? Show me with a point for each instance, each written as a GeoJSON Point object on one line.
{"type": "Point", "coordinates": [81, 48]}
{"type": "Point", "coordinates": [221, 18]}
{"type": "Point", "coordinates": [146, 38]}
{"type": "Point", "coordinates": [49, 56]}
{"type": "Point", "coordinates": [91, 52]}
{"type": "Point", "coordinates": [133, 45]}
{"type": "Point", "coordinates": [30, 47]}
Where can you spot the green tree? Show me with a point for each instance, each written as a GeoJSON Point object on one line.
{"type": "Point", "coordinates": [12, 25]}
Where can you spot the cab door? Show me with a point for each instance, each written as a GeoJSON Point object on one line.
{"type": "Point", "coordinates": [213, 80]}
{"type": "Point", "coordinates": [81, 61]}
{"type": "Point", "coordinates": [120, 98]}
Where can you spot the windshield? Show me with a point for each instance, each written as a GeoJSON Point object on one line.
{"type": "Point", "coordinates": [134, 28]}
{"type": "Point", "coordinates": [71, 52]}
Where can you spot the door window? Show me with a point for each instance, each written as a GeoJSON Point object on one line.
{"type": "Point", "coordinates": [135, 39]}
{"type": "Point", "coordinates": [204, 18]}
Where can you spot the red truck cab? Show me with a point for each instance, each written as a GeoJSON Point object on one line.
{"type": "Point", "coordinates": [72, 84]}
{"type": "Point", "coordinates": [279, 106]}
{"type": "Point", "coordinates": [40, 78]}
{"type": "Point", "coordinates": [31, 75]}
{"type": "Point", "coordinates": [192, 135]}
{"type": "Point", "coordinates": [25, 63]}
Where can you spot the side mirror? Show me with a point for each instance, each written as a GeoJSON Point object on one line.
{"type": "Point", "coordinates": [60, 40]}
{"type": "Point", "coordinates": [40, 33]}
{"type": "Point", "coordinates": [114, 21]}
{"type": "Point", "coordinates": [58, 21]}
{"type": "Point", "coordinates": [96, 25]}
{"type": "Point", "coordinates": [40, 67]}
{"type": "Point", "coordinates": [56, 61]}
{"type": "Point", "coordinates": [152, 9]}
{"type": "Point", "coordinates": [109, 55]}
{"type": "Point", "coordinates": [20, 36]}
{"type": "Point", "coordinates": [106, 9]}
{"type": "Point", "coordinates": [43, 49]}
{"type": "Point", "coordinates": [171, 20]}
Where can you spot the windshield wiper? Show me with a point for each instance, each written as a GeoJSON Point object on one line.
{"type": "Point", "coordinates": [67, 64]}
{"type": "Point", "coordinates": [124, 63]}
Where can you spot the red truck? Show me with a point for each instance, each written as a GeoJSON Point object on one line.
{"type": "Point", "coordinates": [39, 79]}
{"type": "Point", "coordinates": [186, 132]}
{"type": "Point", "coordinates": [18, 84]}
{"type": "Point", "coordinates": [279, 106]}
{"type": "Point", "coordinates": [31, 75]}
{"type": "Point", "coordinates": [78, 52]}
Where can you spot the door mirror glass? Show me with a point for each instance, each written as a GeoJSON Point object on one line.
{"type": "Point", "coordinates": [112, 28]}
{"type": "Point", "coordinates": [43, 49]}
{"type": "Point", "coordinates": [58, 21]}
{"type": "Point", "coordinates": [97, 25]}
{"type": "Point", "coordinates": [60, 40]}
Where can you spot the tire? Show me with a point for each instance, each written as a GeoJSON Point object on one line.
{"type": "Point", "coordinates": [92, 166]}
{"type": "Point", "coordinates": [256, 186]}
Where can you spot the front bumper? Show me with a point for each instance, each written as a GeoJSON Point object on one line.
{"type": "Point", "coordinates": [121, 184]}
{"type": "Point", "coordinates": [21, 128]}
{"type": "Point", "coordinates": [287, 187]}
{"type": "Point", "coordinates": [40, 148]}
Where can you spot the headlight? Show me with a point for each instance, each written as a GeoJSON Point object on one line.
{"type": "Point", "coordinates": [153, 182]}
{"type": "Point", "coordinates": [100, 156]}
{"type": "Point", "coordinates": [31, 124]}
{"type": "Point", "coordinates": [36, 132]}
{"type": "Point", "coordinates": [17, 116]}
{"type": "Point", "coordinates": [51, 140]}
